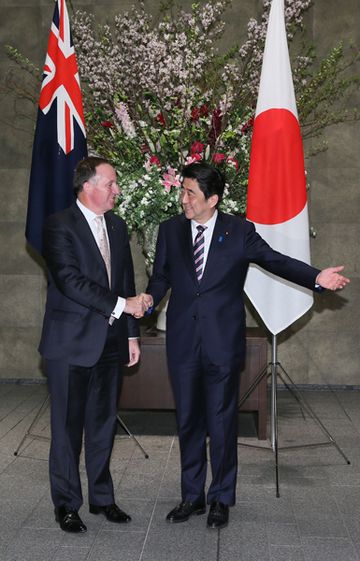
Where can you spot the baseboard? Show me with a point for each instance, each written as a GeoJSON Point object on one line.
{"type": "Point", "coordinates": [280, 387]}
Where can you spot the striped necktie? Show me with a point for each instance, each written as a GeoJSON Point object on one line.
{"type": "Point", "coordinates": [199, 245]}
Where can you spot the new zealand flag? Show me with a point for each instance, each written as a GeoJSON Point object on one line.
{"type": "Point", "coordinates": [60, 136]}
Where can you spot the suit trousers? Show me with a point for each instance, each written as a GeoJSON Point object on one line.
{"type": "Point", "coordinates": [83, 402]}
{"type": "Point", "coordinates": [206, 399]}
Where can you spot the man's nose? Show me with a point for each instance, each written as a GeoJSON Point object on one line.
{"type": "Point", "coordinates": [116, 189]}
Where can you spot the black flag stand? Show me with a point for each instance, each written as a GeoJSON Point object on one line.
{"type": "Point", "coordinates": [275, 370]}
{"type": "Point", "coordinates": [41, 410]}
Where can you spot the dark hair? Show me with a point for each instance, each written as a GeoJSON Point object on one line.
{"type": "Point", "coordinates": [85, 170]}
{"type": "Point", "coordinates": [209, 178]}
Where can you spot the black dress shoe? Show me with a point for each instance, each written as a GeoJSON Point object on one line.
{"type": "Point", "coordinates": [69, 520]}
{"type": "Point", "coordinates": [218, 516]}
{"type": "Point", "coordinates": [112, 512]}
{"type": "Point", "coordinates": [184, 510]}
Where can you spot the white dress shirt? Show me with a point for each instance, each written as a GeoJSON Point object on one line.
{"type": "Point", "coordinates": [90, 216]}
{"type": "Point", "coordinates": [208, 233]}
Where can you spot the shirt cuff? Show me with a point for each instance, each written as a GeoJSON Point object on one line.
{"type": "Point", "coordinates": [119, 308]}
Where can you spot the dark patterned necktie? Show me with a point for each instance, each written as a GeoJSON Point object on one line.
{"type": "Point", "coordinates": [199, 245]}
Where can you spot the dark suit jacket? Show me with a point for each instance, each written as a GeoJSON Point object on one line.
{"type": "Point", "coordinates": [213, 310]}
{"type": "Point", "coordinates": [79, 300]}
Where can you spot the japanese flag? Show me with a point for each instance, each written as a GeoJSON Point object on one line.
{"type": "Point", "coordinates": [277, 199]}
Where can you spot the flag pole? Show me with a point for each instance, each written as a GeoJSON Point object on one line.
{"type": "Point", "coordinates": [273, 392]}
{"type": "Point", "coordinates": [277, 206]}
{"type": "Point", "coordinates": [274, 417]}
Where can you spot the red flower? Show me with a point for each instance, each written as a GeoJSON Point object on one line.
{"type": "Point", "coordinates": [154, 161]}
{"type": "Point", "coordinates": [218, 157]}
{"type": "Point", "coordinates": [107, 124]}
{"type": "Point", "coordinates": [144, 149]}
{"type": "Point", "coordinates": [195, 114]}
{"type": "Point", "coordinates": [160, 119]}
{"type": "Point", "coordinates": [216, 121]}
{"type": "Point", "coordinates": [248, 125]}
{"type": "Point", "coordinates": [196, 147]}
{"type": "Point", "coordinates": [192, 159]}
{"type": "Point", "coordinates": [204, 110]}
{"type": "Point", "coordinates": [232, 162]}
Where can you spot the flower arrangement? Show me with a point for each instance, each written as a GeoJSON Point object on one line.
{"type": "Point", "coordinates": [161, 93]}
{"type": "Point", "coordinates": [162, 97]}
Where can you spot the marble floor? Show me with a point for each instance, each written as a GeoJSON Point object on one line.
{"type": "Point", "coordinates": [316, 517]}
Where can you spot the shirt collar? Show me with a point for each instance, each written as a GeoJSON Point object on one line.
{"type": "Point", "coordinates": [209, 224]}
{"type": "Point", "coordinates": [89, 214]}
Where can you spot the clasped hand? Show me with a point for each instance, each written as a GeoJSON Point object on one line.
{"type": "Point", "coordinates": [138, 305]}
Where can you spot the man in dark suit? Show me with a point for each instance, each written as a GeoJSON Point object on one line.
{"type": "Point", "coordinates": [205, 333]}
{"type": "Point", "coordinates": [88, 333]}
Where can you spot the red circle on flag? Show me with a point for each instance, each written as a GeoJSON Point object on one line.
{"type": "Point", "coordinates": [277, 184]}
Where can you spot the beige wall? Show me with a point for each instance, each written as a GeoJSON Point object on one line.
{"type": "Point", "coordinates": [322, 347]}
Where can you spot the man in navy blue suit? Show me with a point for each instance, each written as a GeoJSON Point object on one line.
{"type": "Point", "coordinates": [205, 332]}
{"type": "Point", "coordinates": [89, 332]}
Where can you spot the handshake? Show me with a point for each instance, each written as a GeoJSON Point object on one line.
{"type": "Point", "coordinates": [137, 306]}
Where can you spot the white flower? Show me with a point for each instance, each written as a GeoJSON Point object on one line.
{"type": "Point", "coordinates": [121, 111]}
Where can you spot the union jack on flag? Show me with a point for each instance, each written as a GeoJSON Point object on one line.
{"type": "Point", "coordinates": [60, 136]}
{"type": "Point", "coordinates": [61, 81]}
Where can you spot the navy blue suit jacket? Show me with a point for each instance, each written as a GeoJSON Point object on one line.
{"type": "Point", "coordinates": [213, 310]}
{"type": "Point", "coordinates": [79, 300]}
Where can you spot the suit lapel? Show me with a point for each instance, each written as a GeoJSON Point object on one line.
{"type": "Point", "coordinates": [114, 247]}
{"type": "Point", "coordinates": [219, 236]}
{"type": "Point", "coordinates": [86, 235]}
{"type": "Point", "coordinates": [187, 246]}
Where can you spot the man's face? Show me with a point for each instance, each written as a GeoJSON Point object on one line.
{"type": "Point", "coordinates": [193, 201]}
{"type": "Point", "coordinates": [102, 190]}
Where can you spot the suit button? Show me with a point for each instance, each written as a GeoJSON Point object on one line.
{"type": "Point", "coordinates": [198, 294]}
{"type": "Point", "coordinates": [194, 317]}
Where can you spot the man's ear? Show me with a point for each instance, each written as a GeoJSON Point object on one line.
{"type": "Point", "coordinates": [86, 186]}
{"type": "Point", "coordinates": [213, 200]}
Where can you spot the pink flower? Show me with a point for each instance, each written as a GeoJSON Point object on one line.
{"type": "Point", "coordinates": [192, 159]}
{"type": "Point", "coordinates": [107, 124]}
{"type": "Point", "coordinates": [122, 114]}
{"type": "Point", "coordinates": [232, 162]}
{"type": "Point", "coordinates": [218, 157]}
{"type": "Point", "coordinates": [196, 147]}
{"type": "Point", "coordinates": [152, 161]}
{"type": "Point", "coordinates": [171, 179]}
